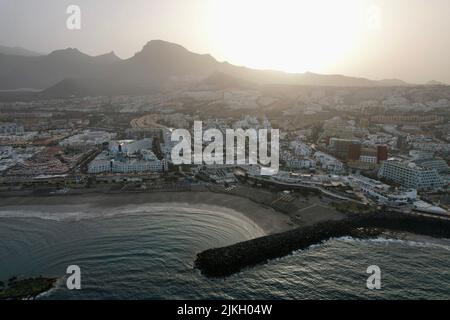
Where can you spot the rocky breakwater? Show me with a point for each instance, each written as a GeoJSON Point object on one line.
{"type": "Point", "coordinates": [225, 261]}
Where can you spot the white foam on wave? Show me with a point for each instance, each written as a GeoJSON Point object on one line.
{"type": "Point", "coordinates": [423, 242]}
{"type": "Point", "coordinates": [60, 282]}
{"type": "Point", "coordinates": [86, 212]}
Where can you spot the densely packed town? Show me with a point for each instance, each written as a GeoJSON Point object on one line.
{"type": "Point", "coordinates": [387, 147]}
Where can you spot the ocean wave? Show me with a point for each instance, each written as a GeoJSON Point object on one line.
{"type": "Point", "coordinates": [213, 219]}
{"type": "Point", "coordinates": [415, 241]}
{"type": "Point", "coordinates": [85, 212]}
{"type": "Point", "coordinates": [410, 240]}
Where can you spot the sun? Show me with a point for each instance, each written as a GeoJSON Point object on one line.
{"type": "Point", "coordinates": [288, 35]}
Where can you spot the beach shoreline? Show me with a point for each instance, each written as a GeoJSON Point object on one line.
{"type": "Point", "coordinates": [268, 219]}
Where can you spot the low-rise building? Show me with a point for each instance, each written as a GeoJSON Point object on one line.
{"type": "Point", "coordinates": [328, 162]}
{"type": "Point", "coordinates": [11, 128]}
{"type": "Point", "coordinates": [137, 165]}
{"type": "Point", "coordinates": [301, 163]}
{"type": "Point", "coordinates": [87, 139]}
{"type": "Point", "coordinates": [382, 193]}
{"type": "Point", "coordinates": [440, 165]}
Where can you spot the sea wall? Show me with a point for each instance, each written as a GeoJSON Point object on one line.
{"type": "Point", "coordinates": [225, 261]}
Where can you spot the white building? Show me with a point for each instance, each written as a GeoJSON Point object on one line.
{"type": "Point", "coordinates": [88, 138]}
{"type": "Point", "coordinates": [420, 155]}
{"type": "Point", "coordinates": [11, 128]}
{"type": "Point", "coordinates": [135, 165]}
{"type": "Point", "coordinates": [440, 165]}
{"type": "Point", "coordinates": [300, 148]}
{"type": "Point", "coordinates": [381, 192]}
{"type": "Point", "coordinates": [410, 175]}
{"type": "Point", "coordinates": [395, 198]}
{"type": "Point", "coordinates": [145, 161]}
{"type": "Point", "coordinates": [301, 163]}
{"type": "Point", "coordinates": [366, 184]}
{"type": "Point", "coordinates": [328, 162]}
{"type": "Point", "coordinates": [99, 166]}
{"type": "Point", "coordinates": [130, 147]}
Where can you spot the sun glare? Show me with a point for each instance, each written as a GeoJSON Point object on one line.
{"type": "Point", "coordinates": [289, 35]}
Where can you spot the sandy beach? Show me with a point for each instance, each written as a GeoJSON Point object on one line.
{"type": "Point", "coordinates": [268, 219]}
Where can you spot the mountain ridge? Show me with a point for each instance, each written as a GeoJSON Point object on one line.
{"type": "Point", "coordinates": [18, 51]}
{"type": "Point", "coordinates": [157, 64]}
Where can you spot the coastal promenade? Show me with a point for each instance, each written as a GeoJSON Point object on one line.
{"type": "Point", "coordinates": [299, 185]}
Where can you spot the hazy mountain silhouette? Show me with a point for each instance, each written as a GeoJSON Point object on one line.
{"type": "Point", "coordinates": [18, 51]}
{"type": "Point", "coordinates": [44, 71]}
{"type": "Point", "coordinates": [163, 59]}
{"type": "Point", "coordinates": [69, 71]}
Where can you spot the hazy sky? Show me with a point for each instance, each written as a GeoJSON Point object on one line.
{"type": "Point", "coordinates": [406, 39]}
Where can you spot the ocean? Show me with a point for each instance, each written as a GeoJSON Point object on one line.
{"type": "Point", "coordinates": [148, 253]}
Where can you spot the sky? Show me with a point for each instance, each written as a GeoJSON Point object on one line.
{"type": "Point", "coordinates": [376, 39]}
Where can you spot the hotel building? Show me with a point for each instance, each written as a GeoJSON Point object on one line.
{"type": "Point", "coordinates": [411, 175]}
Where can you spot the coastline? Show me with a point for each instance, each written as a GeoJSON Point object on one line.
{"type": "Point", "coordinates": [268, 219]}
{"type": "Point", "coordinates": [28, 288]}
{"type": "Point", "coordinates": [283, 234]}
{"type": "Point", "coordinates": [225, 261]}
